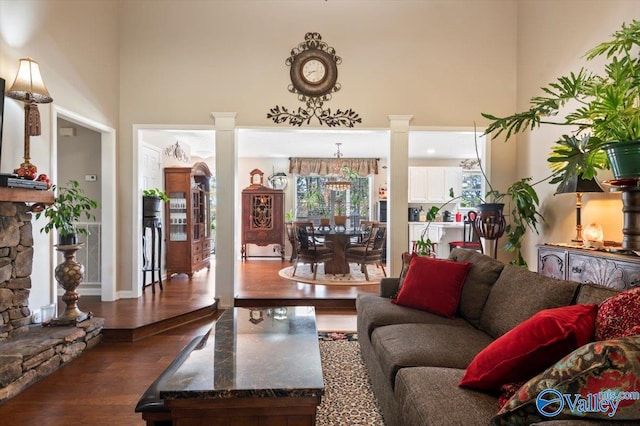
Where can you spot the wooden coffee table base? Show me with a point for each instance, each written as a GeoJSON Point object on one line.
{"type": "Point", "coordinates": [285, 411]}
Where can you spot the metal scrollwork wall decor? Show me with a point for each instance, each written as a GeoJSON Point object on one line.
{"type": "Point", "coordinates": [314, 77]}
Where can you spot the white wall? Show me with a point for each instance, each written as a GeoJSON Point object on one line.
{"type": "Point", "coordinates": [78, 156]}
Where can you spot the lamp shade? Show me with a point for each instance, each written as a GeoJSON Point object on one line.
{"type": "Point", "coordinates": [28, 84]}
{"type": "Point", "coordinates": [579, 184]}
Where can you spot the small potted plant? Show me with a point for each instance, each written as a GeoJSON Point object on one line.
{"type": "Point", "coordinates": [339, 219]}
{"type": "Point", "coordinates": [151, 199]}
{"type": "Point", "coordinates": [70, 205]}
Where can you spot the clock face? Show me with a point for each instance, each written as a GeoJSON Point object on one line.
{"type": "Point", "coordinates": [314, 71]}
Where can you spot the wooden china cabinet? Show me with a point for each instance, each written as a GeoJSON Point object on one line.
{"type": "Point", "coordinates": [262, 215]}
{"type": "Point", "coordinates": [188, 218]}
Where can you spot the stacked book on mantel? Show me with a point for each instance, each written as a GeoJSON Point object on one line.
{"type": "Point", "coordinates": [11, 180]}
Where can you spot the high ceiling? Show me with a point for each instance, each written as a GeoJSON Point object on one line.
{"type": "Point", "coordinates": [284, 143]}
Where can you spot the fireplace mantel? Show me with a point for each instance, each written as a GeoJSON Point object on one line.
{"type": "Point", "coordinates": [22, 195]}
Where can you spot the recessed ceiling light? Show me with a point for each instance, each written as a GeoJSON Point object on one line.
{"type": "Point", "coordinates": [431, 151]}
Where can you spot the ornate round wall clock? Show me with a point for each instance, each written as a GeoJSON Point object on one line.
{"type": "Point", "coordinates": [314, 78]}
{"type": "Point", "coordinates": [314, 72]}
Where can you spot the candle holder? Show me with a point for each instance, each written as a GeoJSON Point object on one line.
{"type": "Point", "coordinates": [70, 274]}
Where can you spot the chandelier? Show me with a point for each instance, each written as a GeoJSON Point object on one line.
{"type": "Point", "coordinates": [340, 183]}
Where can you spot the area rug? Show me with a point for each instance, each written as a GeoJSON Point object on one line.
{"type": "Point", "coordinates": [348, 398]}
{"type": "Point", "coordinates": [356, 277]}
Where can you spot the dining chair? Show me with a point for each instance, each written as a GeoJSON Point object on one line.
{"type": "Point", "coordinates": [307, 248]}
{"type": "Point", "coordinates": [291, 236]}
{"type": "Point", "coordinates": [470, 238]}
{"type": "Point", "coordinates": [369, 252]}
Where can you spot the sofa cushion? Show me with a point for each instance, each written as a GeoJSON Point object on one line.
{"type": "Point", "coordinates": [375, 311]}
{"type": "Point", "coordinates": [593, 368]}
{"type": "Point", "coordinates": [531, 346]}
{"type": "Point", "coordinates": [594, 293]}
{"type": "Point", "coordinates": [618, 315]}
{"type": "Point", "coordinates": [430, 397]}
{"type": "Point", "coordinates": [518, 294]}
{"type": "Point", "coordinates": [433, 285]}
{"type": "Point", "coordinates": [483, 274]}
{"type": "Point", "coordinates": [429, 345]}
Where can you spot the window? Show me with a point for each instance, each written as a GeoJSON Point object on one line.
{"type": "Point", "coordinates": [472, 188]}
{"type": "Point", "coordinates": [314, 201]}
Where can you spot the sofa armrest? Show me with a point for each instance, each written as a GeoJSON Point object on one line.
{"type": "Point", "coordinates": [389, 287]}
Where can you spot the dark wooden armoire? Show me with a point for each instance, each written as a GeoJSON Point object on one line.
{"type": "Point", "coordinates": [262, 215]}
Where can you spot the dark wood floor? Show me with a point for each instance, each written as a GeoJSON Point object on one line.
{"type": "Point", "coordinates": [102, 386]}
{"type": "Point", "coordinates": [184, 300]}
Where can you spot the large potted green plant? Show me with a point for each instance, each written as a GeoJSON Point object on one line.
{"type": "Point", "coordinates": [605, 122]}
{"type": "Point", "coordinates": [69, 206]}
{"type": "Point", "coordinates": [604, 125]}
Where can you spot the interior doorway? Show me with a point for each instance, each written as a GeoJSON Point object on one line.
{"type": "Point", "coordinates": [154, 148]}
{"type": "Point", "coordinates": [86, 151]}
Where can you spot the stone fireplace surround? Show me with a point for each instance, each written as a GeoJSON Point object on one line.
{"type": "Point", "coordinates": [29, 352]}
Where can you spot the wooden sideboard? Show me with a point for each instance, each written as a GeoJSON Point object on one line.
{"type": "Point", "coordinates": [615, 270]}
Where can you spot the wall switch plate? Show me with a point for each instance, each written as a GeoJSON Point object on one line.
{"type": "Point", "coordinates": [90, 178]}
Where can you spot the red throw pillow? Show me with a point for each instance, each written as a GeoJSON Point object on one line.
{"type": "Point", "coordinates": [433, 285]}
{"type": "Point", "coordinates": [531, 346]}
{"type": "Point", "coordinates": [618, 315]}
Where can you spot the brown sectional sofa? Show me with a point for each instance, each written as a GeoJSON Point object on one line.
{"type": "Point", "coordinates": [415, 359]}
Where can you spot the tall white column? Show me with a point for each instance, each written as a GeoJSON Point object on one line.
{"type": "Point", "coordinates": [398, 186]}
{"type": "Point", "coordinates": [228, 207]}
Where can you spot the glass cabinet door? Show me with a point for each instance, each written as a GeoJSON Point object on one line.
{"type": "Point", "coordinates": [178, 216]}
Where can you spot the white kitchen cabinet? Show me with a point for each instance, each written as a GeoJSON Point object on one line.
{"type": "Point", "coordinates": [432, 184]}
{"type": "Point", "coordinates": [434, 233]}
{"type": "Point", "coordinates": [418, 185]}
{"type": "Point", "coordinates": [452, 179]}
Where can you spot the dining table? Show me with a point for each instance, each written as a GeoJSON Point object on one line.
{"type": "Point", "coordinates": [340, 238]}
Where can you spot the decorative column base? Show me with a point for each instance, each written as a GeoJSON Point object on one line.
{"type": "Point", "coordinates": [70, 274]}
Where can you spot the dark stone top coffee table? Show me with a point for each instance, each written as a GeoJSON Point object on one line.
{"type": "Point", "coordinates": [255, 364]}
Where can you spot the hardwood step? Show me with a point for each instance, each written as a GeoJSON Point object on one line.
{"type": "Point", "coordinates": [133, 333]}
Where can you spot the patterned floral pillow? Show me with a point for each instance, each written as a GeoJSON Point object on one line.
{"type": "Point", "coordinates": [618, 315]}
{"type": "Point", "coordinates": [406, 261]}
{"type": "Point", "coordinates": [610, 366]}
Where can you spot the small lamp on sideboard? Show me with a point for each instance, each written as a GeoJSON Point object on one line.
{"type": "Point", "coordinates": [578, 187]}
{"type": "Point", "coordinates": [29, 88]}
